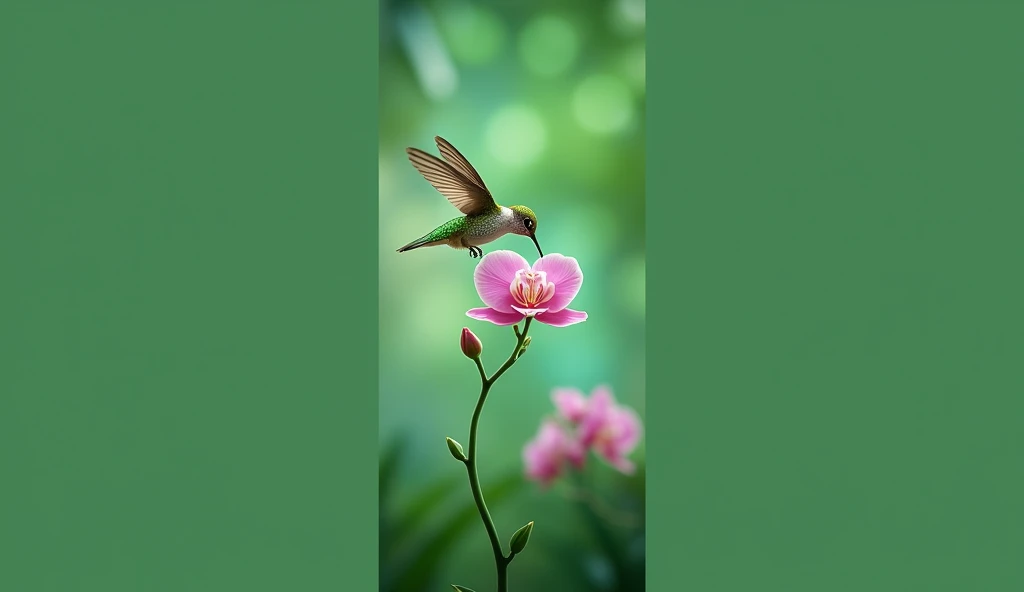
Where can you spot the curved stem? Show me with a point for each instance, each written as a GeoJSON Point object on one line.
{"type": "Point", "coordinates": [474, 484]}
{"type": "Point", "coordinates": [483, 373]}
{"type": "Point", "coordinates": [500, 560]}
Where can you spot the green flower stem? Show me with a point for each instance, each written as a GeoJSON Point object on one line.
{"type": "Point", "coordinates": [500, 560]}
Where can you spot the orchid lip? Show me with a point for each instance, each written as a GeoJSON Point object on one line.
{"type": "Point", "coordinates": [530, 288]}
{"type": "Point", "coordinates": [529, 312]}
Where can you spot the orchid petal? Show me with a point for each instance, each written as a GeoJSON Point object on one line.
{"type": "Point", "coordinates": [493, 316]}
{"type": "Point", "coordinates": [562, 318]}
{"type": "Point", "coordinates": [565, 273]}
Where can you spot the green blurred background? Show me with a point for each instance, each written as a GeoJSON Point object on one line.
{"type": "Point", "coordinates": [547, 101]}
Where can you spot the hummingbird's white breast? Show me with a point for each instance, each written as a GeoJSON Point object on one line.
{"type": "Point", "coordinates": [487, 229]}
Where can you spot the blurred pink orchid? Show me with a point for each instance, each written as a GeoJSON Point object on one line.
{"type": "Point", "coordinates": [545, 456]}
{"type": "Point", "coordinates": [513, 290]}
{"type": "Point", "coordinates": [611, 430]}
{"type": "Point", "coordinates": [571, 404]}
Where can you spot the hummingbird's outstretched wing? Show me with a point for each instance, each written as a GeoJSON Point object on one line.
{"type": "Point", "coordinates": [466, 192]}
{"type": "Point", "coordinates": [459, 162]}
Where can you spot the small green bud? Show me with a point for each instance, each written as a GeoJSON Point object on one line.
{"type": "Point", "coordinates": [456, 449]}
{"type": "Point", "coordinates": [522, 349]}
{"type": "Point", "coordinates": [471, 345]}
{"type": "Point", "coordinates": [520, 538]}
{"type": "Point", "coordinates": [461, 588]}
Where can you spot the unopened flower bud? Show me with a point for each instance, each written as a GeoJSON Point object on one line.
{"type": "Point", "coordinates": [456, 449]}
{"type": "Point", "coordinates": [520, 538]}
{"type": "Point", "coordinates": [471, 345]}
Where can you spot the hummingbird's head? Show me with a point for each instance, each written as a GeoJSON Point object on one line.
{"type": "Point", "coordinates": [526, 224]}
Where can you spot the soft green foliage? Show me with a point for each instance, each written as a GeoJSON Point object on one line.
{"type": "Point", "coordinates": [532, 137]}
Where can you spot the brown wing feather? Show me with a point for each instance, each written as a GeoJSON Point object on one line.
{"type": "Point", "coordinates": [463, 193]}
{"type": "Point", "coordinates": [459, 162]}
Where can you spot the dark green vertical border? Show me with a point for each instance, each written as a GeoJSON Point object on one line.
{"type": "Point", "coordinates": [836, 234]}
{"type": "Point", "coordinates": [187, 376]}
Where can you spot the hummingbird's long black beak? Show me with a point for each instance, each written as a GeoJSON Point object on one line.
{"type": "Point", "coordinates": [534, 237]}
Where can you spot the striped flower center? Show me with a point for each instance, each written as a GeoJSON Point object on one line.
{"type": "Point", "coordinates": [530, 289]}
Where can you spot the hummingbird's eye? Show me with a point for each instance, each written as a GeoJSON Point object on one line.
{"type": "Point", "coordinates": [528, 223]}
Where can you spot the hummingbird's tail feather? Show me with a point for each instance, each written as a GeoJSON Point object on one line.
{"type": "Point", "coordinates": [423, 241]}
{"type": "Point", "coordinates": [449, 233]}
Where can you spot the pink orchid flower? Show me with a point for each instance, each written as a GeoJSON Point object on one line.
{"type": "Point", "coordinates": [546, 455]}
{"type": "Point", "coordinates": [513, 290]}
{"type": "Point", "coordinates": [612, 430]}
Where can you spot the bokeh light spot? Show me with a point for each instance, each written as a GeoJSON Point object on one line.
{"type": "Point", "coordinates": [629, 16]}
{"type": "Point", "coordinates": [474, 35]}
{"type": "Point", "coordinates": [548, 45]}
{"type": "Point", "coordinates": [427, 53]}
{"type": "Point", "coordinates": [602, 104]}
{"type": "Point", "coordinates": [516, 135]}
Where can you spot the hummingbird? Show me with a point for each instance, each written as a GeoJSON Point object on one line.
{"type": "Point", "coordinates": [483, 220]}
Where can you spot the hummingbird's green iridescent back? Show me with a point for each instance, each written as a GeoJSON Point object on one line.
{"type": "Point", "coordinates": [448, 230]}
